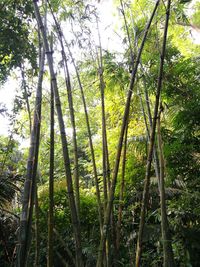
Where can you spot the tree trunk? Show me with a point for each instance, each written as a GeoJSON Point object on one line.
{"type": "Point", "coordinates": [155, 156]}
{"type": "Point", "coordinates": [166, 239]}
{"type": "Point", "coordinates": [155, 152]}
{"type": "Point", "coordinates": [116, 167]}
{"type": "Point", "coordinates": [87, 121]}
{"type": "Point", "coordinates": [24, 87]}
{"type": "Point", "coordinates": [74, 217]}
{"type": "Point", "coordinates": [105, 154]}
{"type": "Point", "coordinates": [51, 187]}
{"type": "Point", "coordinates": [37, 233]}
{"type": "Point", "coordinates": [103, 118]}
{"type": "Point", "coordinates": [37, 236]}
{"type": "Point", "coordinates": [151, 145]}
{"type": "Point", "coordinates": [73, 124]}
{"type": "Point", "coordinates": [121, 196]}
{"type": "Point", "coordinates": [128, 34]}
{"type": "Point", "coordinates": [29, 186]}
{"type": "Point", "coordinates": [72, 116]}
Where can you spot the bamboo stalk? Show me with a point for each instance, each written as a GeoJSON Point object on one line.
{"type": "Point", "coordinates": [37, 241]}
{"type": "Point", "coordinates": [168, 260]}
{"type": "Point", "coordinates": [73, 210]}
{"type": "Point", "coordinates": [121, 196]}
{"type": "Point", "coordinates": [51, 187]}
{"type": "Point", "coordinates": [124, 123]}
{"type": "Point", "coordinates": [73, 123]}
{"type": "Point", "coordinates": [29, 185]}
{"type": "Point", "coordinates": [151, 145]}
{"type": "Point", "coordinates": [87, 123]}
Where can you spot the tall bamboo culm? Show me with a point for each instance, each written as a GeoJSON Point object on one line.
{"type": "Point", "coordinates": [120, 143]}
{"type": "Point", "coordinates": [73, 124]}
{"type": "Point", "coordinates": [51, 186]}
{"type": "Point", "coordinates": [87, 120]}
{"type": "Point", "coordinates": [73, 210]}
{"type": "Point", "coordinates": [151, 145]}
{"type": "Point", "coordinates": [29, 186]}
{"type": "Point", "coordinates": [168, 257]}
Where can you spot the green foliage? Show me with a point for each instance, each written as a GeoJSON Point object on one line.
{"type": "Point", "coordinates": [195, 17]}
{"type": "Point", "coordinates": [15, 36]}
{"type": "Point", "coordinates": [117, 77]}
{"type": "Point", "coordinates": [10, 180]}
{"type": "Point", "coordinates": [180, 130]}
{"type": "Point", "coordinates": [62, 221]}
{"type": "Point", "coordinates": [8, 228]}
{"type": "Point", "coordinates": [181, 148]}
{"type": "Point", "coordinates": [9, 158]}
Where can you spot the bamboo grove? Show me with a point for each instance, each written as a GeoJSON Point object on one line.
{"type": "Point", "coordinates": [111, 175]}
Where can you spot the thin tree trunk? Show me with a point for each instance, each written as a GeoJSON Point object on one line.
{"type": "Point", "coordinates": [155, 152]}
{"type": "Point", "coordinates": [24, 86]}
{"type": "Point", "coordinates": [103, 118]}
{"type": "Point", "coordinates": [51, 187]}
{"type": "Point", "coordinates": [73, 123]}
{"type": "Point", "coordinates": [29, 186]}
{"type": "Point", "coordinates": [128, 34]}
{"type": "Point", "coordinates": [105, 155]}
{"type": "Point", "coordinates": [37, 241]}
{"type": "Point", "coordinates": [91, 147]}
{"type": "Point", "coordinates": [124, 122]}
{"type": "Point", "coordinates": [121, 196]}
{"type": "Point", "coordinates": [151, 145]}
{"type": "Point", "coordinates": [74, 217]}
{"type": "Point", "coordinates": [33, 186]}
{"type": "Point", "coordinates": [72, 116]}
{"type": "Point", "coordinates": [140, 96]}
{"type": "Point", "coordinates": [92, 151]}
{"type": "Point", "coordinates": [166, 239]}
{"type": "Point", "coordinates": [37, 234]}
{"type": "Point", "coordinates": [156, 163]}
{"type": "Point", "coordinates": [87, 121]}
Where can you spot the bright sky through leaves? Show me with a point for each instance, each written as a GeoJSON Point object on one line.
{"type": "Point", "coordinates": [111, 40]}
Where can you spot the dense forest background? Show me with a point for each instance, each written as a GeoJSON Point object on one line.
{"type": "Point", "coordinates": [111, 175]}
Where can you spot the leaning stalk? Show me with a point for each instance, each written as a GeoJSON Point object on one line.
{"type": "Point", "coordinates": [151, 145]}
{"type": "Point", "coordinates": [120, 143]}
{"type": "Point", "coordinates": [73, 210]}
